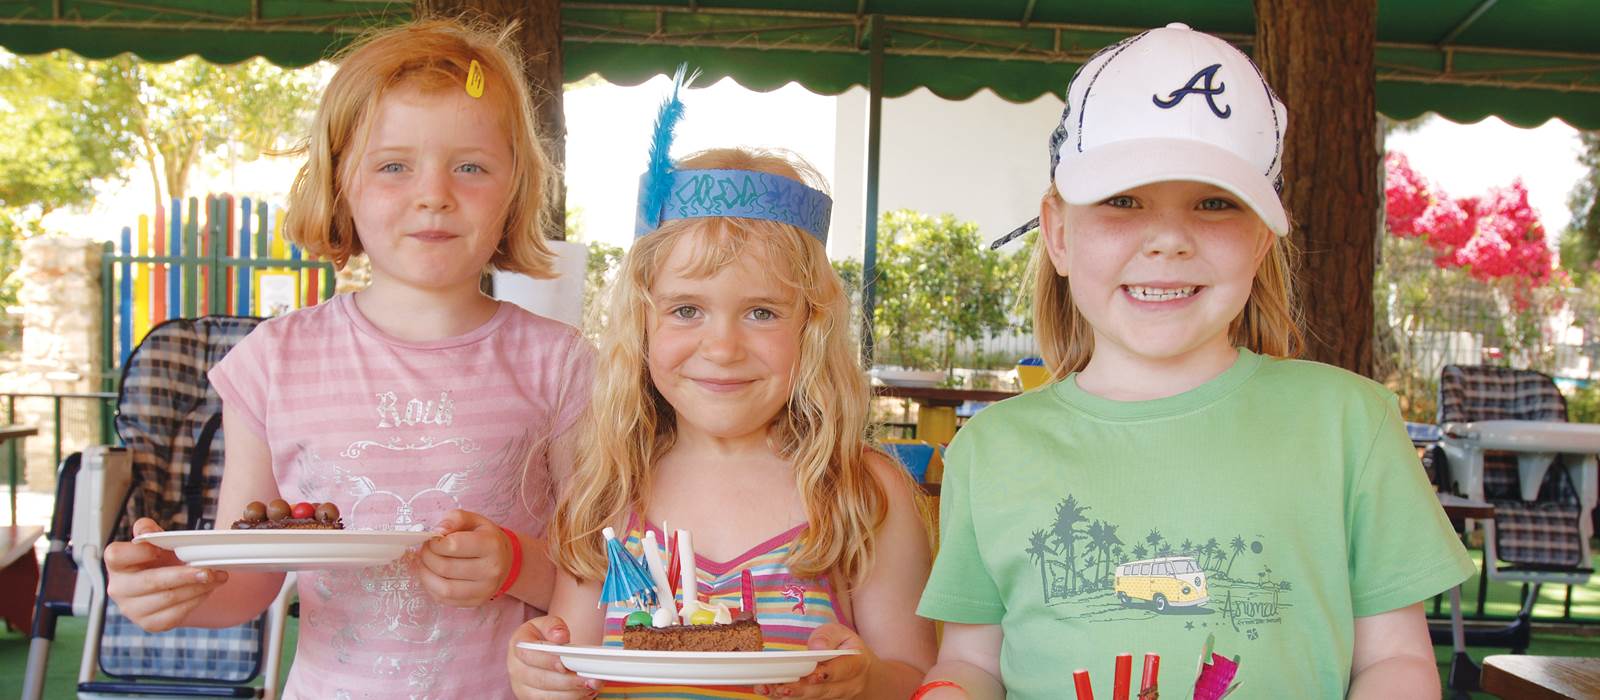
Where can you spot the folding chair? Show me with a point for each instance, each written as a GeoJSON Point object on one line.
{"type": "Point", "coordinates": [1543, 493]}
{"type": "Point", "coordinates": [170, 469]}
{"type": "Point", "coordinates": [915, 455]}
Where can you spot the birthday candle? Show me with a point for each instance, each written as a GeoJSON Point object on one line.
{"type": "Point", "coordinates": [658, 574]}
{"type": "Point", "coordinates": [691, 586]}
{"type": "Point", "coordinates": [1124, 671]}
{"type": "Point", "coordinates": [1080, 681]}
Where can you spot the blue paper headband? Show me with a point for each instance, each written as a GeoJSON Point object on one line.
{"type": "Point", "coordinates": [666, 193]}
{"type": "Point", "coordinates": [694, 194]}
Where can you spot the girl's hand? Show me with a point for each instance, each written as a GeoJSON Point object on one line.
{"type": "Point", "coordinates": [538, 675]}
{"type": "Point", "coordinates": [151, 586]}
{"type": "Point", "coordinates": [841, 677]}
{"type": "Point", "coordinates": [467, 563]}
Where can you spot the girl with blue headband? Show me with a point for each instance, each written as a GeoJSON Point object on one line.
{"type": "Point", "coordinates": [729, 402]}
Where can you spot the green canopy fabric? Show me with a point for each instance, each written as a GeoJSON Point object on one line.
{"type": "Point", "coordinates": [1525, 61]}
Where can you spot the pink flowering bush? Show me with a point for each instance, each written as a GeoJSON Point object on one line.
{"type": "Point", "coordinates": [1496, 236]}
{"type": "Point", "coordinates": [1462, 279]}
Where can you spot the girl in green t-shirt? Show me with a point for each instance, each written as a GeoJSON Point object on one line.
{"type": "Point", "coordinates": [1162, 306]}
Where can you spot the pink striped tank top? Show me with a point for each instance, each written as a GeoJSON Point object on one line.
{"type": "Point", "coordinates": [788, 607]}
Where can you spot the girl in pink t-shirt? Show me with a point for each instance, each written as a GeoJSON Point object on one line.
{"type": "Point", "coordinates": [417, 403]}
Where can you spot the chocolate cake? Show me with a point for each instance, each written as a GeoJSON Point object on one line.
{"type": "Point", "coordinates": [740, 635]}
{"type": "Point", "coordinates": [279, 515]}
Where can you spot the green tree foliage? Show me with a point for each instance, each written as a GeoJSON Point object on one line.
{"type": "Point", "coordinates": [57, 138]}
{"type": "Point", "coordinates": [58, 132]}
{"type": "Point", "coordinates": [179, 112]}
{"type": "Point", "coordinates": [937, 286]}
{"type": "Point", "coordinates": [1580, 243]}
{"type": "Point", "coordinates": [598, 269]}
{"type": "Point", "coordinates": [68, 123]}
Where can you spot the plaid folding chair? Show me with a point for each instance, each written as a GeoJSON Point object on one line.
{"type": "Point", "coordinates": [169, 469]}
{"type": "Point", "coordinates": [1542, 510]}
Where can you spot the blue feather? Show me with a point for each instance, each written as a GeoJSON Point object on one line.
{"type": "Point", "coordinates": [658, 180]}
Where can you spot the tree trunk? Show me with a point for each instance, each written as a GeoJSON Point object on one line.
{"type": "Point", "coordinates": [1318, 56]}
{"type": "Point", "coordinates": [539, 36]}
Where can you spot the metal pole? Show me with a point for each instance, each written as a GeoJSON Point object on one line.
{"type": "Point", "coordinates": [11, 417]}
{"type": "Point", "coordinates": [55, 415]}
{"type": "Point", "coordinates": [869, 256]}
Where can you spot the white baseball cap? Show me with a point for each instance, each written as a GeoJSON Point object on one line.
{"type": "Point", "coordinates": [1170, 104]}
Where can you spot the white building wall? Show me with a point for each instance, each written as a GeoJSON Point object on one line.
{"type": "Point", "coordinates": [982, 159]}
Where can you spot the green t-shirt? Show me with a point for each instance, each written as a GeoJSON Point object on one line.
{"type": "Point", "coordinates": [1271, 506]}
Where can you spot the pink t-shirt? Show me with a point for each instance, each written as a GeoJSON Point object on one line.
{"type": "Point", "coordinates": [396, 434]}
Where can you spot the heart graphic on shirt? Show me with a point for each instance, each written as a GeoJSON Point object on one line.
{"type": "Point", "coordinates": [387, 510]}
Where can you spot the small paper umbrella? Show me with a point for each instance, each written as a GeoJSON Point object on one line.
{"type": "Point", "coordinates": [624, 579]}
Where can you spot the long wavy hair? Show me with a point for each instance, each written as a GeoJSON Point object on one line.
{"type": "Point", "coordinates": [1269, 324]}
{"type": "Point", "coordinates": [433, 55]}
{"type": "Point", "coordinates": [822, 430]}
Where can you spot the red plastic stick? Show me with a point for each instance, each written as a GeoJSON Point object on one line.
{"type": "Point", "coordinates": [1152, 668]}
{"type": "Point", "coordinates": [747, 592]}
{"type": "Point", "coordinates": [1124, 672]}
{"type": "Point", "coordinates": [674, 577]}
{"type": "Point", "coordinates": [1080, 680]}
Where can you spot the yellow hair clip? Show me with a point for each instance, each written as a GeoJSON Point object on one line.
{"type": "Point", "coordinates": [475, 79]}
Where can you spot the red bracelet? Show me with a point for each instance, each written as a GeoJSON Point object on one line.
{"type": "Point", "coordinates": [932, 686]}
{"type": "Point", "coordinates": [516, 563]}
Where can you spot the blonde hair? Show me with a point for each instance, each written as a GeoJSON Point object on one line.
{"type": "Point", "coordinates": [432, 55]}
{"type": "Point", "coordinates": [1269, 324]}
{"type": "Point", "coordinates": [822, 430]}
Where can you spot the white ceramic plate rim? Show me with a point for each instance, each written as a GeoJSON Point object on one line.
{"type": "Point", "coordinates": [180, 538]}
{"type": "Point", "coordinates": [287, 550]}
{"type": "Point", "coordinates": [587, 651]}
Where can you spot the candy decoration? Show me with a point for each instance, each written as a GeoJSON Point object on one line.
{"type": "Point", "coordinates": [664, 616]}
{"type": "Point", "coordinates": [1147, 682]}
{"type": "Point", "coordinates": [1080, 682]}
{"type": "Point", "coordinates": [303, 510]}
{"type": "Point", "coordinates": [278, 509]}
{"type": "Point", "coordinates": [637, 618]}
{"type": "Point", "coordinates": [747, 592]}
{"type": "Point", "coordinates": [702, 617]}
{"type": "Point", "coordinates": [327, 512]}
{"type": "Point", "coordinates": [1124, 671]}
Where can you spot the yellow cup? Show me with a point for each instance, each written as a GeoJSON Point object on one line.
{"type": "Point", "coordinates": [1032, 376]}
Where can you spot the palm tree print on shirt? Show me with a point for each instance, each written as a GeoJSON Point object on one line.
{"type": "Point", "coordinates": [1078, 554]}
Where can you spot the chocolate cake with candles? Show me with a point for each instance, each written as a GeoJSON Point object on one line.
{"type": "Point", "coordinates": [661, 623]}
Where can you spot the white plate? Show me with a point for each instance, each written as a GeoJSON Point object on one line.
{"type": "Point", "coordinates": [687, 667]}
{"type": "Point", "coordinates": [286, 550]}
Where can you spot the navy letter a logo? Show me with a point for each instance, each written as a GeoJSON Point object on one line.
{"type": "Point", "coordinates": [1209, 73]}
